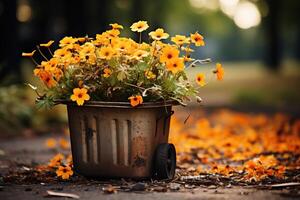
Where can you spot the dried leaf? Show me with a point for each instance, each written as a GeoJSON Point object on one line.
{"type": "Point", "coordinates": [109, 190]}
{"type": "Point", "coordinates": [61, 194]}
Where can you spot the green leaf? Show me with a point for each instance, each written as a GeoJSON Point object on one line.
{"type": "Point", "coordinates": [113, 62]}
{"type": "Point", "coordinates": [121, 76]}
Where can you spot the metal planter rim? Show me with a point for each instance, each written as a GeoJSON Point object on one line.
{"type": "Point", "coordinates": [109, 104]}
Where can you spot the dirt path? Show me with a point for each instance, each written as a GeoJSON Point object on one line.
{"type": "Point", "coordinates": [20, 152]}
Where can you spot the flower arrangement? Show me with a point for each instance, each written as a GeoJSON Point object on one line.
{"type": "Point", "coordinates": [114, 68]}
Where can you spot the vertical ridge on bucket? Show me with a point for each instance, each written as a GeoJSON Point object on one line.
{"type": "Point", "coordinates": [94, 139]}
{"type": "Point", "coordinates": [129, 128]}
{"type": "Point", "coordinates": [99, 139]}
{"type": "Point", "coordinates": [114, 140]}
{"type": "Point", "coordinates": [83, 139]}
{"type": "Point", "coordinates": [123, 143]}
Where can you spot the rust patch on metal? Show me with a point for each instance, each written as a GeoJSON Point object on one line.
{"type": "Point", "coordinates": [139, 151]}
{"type": "Point", "coordinates": [139, 161]}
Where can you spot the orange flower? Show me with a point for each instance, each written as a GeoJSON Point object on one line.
{"type": "Point", "coordinates": [197, 39]}
{"type": "Point", "coordinates": [219, 71]}
{"type": "Point", "coordinates": [136, 100]}
{"type": "Point", "coordinates": [200, 79]}
{"type": "Point", "coordinates": [50, 65]}
{"type": "Point", "coordinates": [159, 34]}
{"type": "Point", "coordinates": [175, 65]}
{"type": "Point", "coordinates": [139, 26]}
{"type": "Point", "coordinates": [180, 40]}
{"type": "Point", "coordinates": [107, 72]}
{"type": "Point", "coordinates": [47, 78]}
{"type": "Point", "coordinates": [28, 54]}
{"type": "Point", "coordinates": [51, 143]}
{"type": "Point", "coordinates": [169, 53]}
{"type": "Point", "coordinates": [80, 95]}
{"type": "Point", "coordinates": [69, 160]}
{"type": "Point", "coordinates": [63, 143]}
{"type": "Point", "coordinates": [116, 26]}
{"type": "Point", "coordinates": [64, 172]}
{"type": "Point", "coordinates": [48, 44]}
{"type": "Point", "coordinates": [56, 160]}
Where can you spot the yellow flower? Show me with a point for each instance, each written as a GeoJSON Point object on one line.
{"type": "Point", "coordinates": [187, 58]}
{"type": "Point", "coordinates": [80, 95]}
{"type": "Point", "coordinates": [144, 46]}
{"type": "Point", "coordinates": [48, 44]}
{"type": "Point", "coordinates": [106, 53]}
{"type": "Point", "coordinates": [169, 53]}
{"type": "Point", "coordinates": [28, 54]}
{"type": "Point", "coordinates": [112, 33]}
{"type": "Point", "coordinates": [82, 39]}
{"type": "Point", "coordinates": [150, 74]}
{"type": "Point", "coordinates": [66, 41]}
{"type": "Point", "coordinates": [51, 143]}
{"type": "Point", "coordinates": [116, 26]}
{"type": "Point", "coordinates": [139, 26]}
{"type": "Point", "coordinates": [50, 65]}
{"type": "Point", "coordinates": [123, 45]}
{"type": "Point", "coordinates": [64, 172]}
{"type": "Point", "coordinates": [89, 58]}
{"type": "Point", "coordinates": [101, 39]}
{"type": "Point", "coordinates": [200, 79]}
{"type": "Point", "coordinates": [219, 71]}
{"type": "Point", "coordinates": [88, 48]}
{"type": "Point", "coordinates": [107, 72]}
{"type": "Point", "coordinates": [180, 40]}
{"type": "Point", "coordinates": [158, 34]}
{"type": "Point", "coordinates": [175, 65]}
{"type": "Point", "coordinates": [56, 160]}
{"type": "Point", "coordinates": [73, 58]}
{"type": "Point", "coordinates": [136, 100]}
{"type": "Point", "coordinates": [87, 53]}
{"type": "Point", "coordinates": [60, 53]}
{"type": "Point", "coordinates": [140, 54]}
{"type": "Point", "coordinates": [197, 39]}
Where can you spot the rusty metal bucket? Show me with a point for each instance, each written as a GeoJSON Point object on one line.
{"type": "Point", "coordinates": [112, 139]}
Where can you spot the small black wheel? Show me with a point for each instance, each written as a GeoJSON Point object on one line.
{"type": "Point", "coordinates": [165, 161]}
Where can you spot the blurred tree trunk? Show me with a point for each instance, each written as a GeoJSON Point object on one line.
{"type": "Point", "coordinates": [9, 55]}
{"type": "Point", "coordinates": [271, 27]}
{"type": "Point", "coordinates": [103, 17]}
{"type": "Point", "coordinates": [75, 14]}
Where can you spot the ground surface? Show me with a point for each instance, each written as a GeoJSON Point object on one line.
{"type": "Point", "coordinates": [26, 151]}
{"type": "Point", "coordinates": [20, 154]}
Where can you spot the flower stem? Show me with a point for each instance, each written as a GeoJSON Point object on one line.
{"type": "Point", "coordinates": [205, 61]}
{"type": "Point", "coordinates": [140, 37]}
{"type": "Point", "coordinates": [34, 61]}
{"type": "Point", "coordinates": [38, 48]}
{"type": "Point", "coordinates": [50, 51]}
{"type": "Point", "coordinates": [132, 85]}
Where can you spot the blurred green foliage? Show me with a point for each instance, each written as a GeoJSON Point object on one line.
{"type": "Point", "coordinates": [18, 112]}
